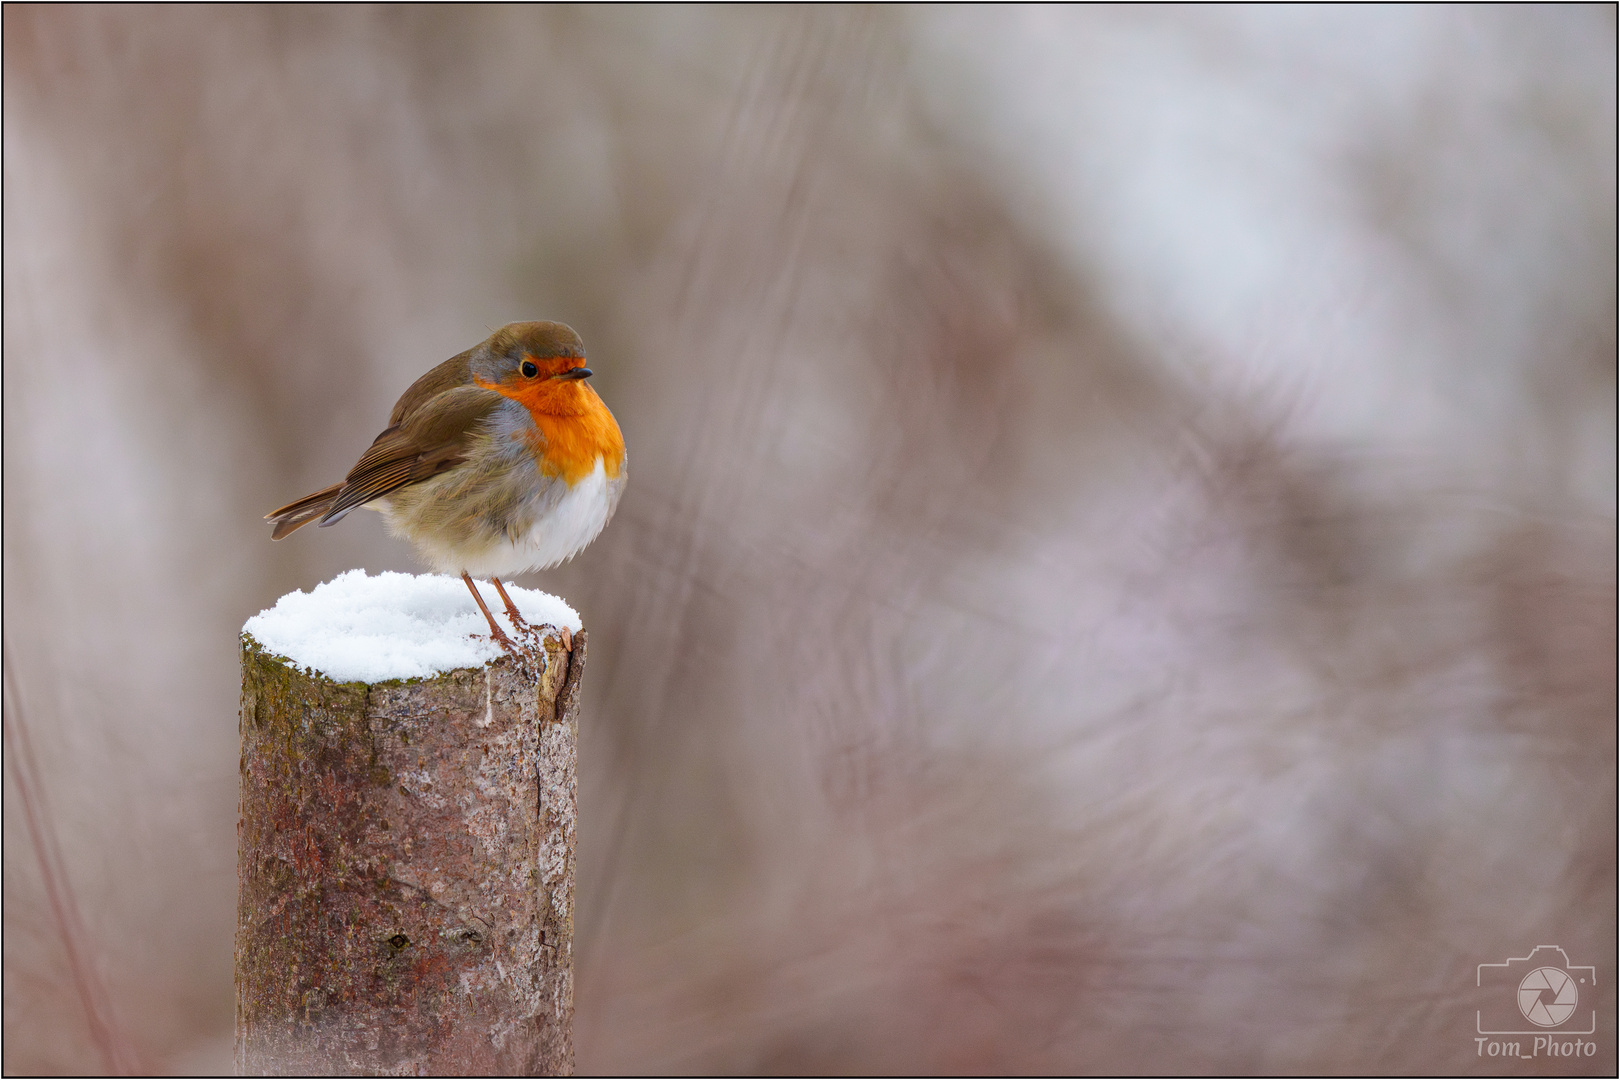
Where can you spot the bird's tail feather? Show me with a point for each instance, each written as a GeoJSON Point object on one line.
{"type": "Point", "coordinates": [294, 514]}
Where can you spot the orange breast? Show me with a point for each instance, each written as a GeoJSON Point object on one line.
{"type": "Point", "coordinates": [573, 427]}
{"type": "Point", "coordinates": [573, 442]}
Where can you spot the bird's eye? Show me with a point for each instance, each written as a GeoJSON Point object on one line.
{"type": "Point", "coordinates": [529, 370]}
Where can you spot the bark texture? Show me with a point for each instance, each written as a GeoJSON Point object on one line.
{"type": "Point", "coordinates": [405, 869]}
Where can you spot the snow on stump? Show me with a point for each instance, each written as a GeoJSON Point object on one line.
{"type": "Point", "coordinates": [405, 856]}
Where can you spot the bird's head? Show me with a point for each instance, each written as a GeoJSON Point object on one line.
{"type": "Point", "coordinates": [540, 365]}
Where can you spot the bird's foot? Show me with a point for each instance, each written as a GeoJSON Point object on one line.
{"type": "Point", "coordinates": [530, 635]}
{"type": "Point", "coordinates": [528, 652]}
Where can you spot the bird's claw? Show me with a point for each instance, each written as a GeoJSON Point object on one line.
{"type": "Point", "coordinates": [527, 653]}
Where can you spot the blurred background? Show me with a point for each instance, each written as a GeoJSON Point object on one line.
{"type": "Point", "coordinates": [1118, 572]}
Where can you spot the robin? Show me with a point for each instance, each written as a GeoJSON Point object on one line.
{"type": "Point", "coordinates": [498, 461]}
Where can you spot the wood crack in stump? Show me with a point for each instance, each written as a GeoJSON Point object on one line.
{"type": "Point", "coordinates": [568, 695]}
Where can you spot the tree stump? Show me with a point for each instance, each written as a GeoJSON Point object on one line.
{"type": "Point", "coordinates": [405, 870]}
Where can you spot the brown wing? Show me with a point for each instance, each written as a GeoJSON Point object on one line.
{"type": "Point", "coordinates": [433, 436]}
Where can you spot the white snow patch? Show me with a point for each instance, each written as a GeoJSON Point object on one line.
{"type": "Point", "coordinates": [356, 628]}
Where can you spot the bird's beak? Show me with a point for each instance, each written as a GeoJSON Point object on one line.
{"type": "Point", "coordinates": [575, 373]}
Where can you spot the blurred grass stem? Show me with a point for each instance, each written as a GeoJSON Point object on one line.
{"type": "Point", "coordinates": [118, 1056]}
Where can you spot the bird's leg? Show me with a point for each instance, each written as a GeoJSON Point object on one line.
{"type": "Point", "coordinates": [511, 608]}
{"type": "Point", "coordinates": [529, 635]}
{"type": "Point", "coordinates": [494, 631]}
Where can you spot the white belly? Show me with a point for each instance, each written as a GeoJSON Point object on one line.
{"type": "Point", "coordinates": [557, 533]}
{"type": "Point", "coordinates": [577, 520]}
